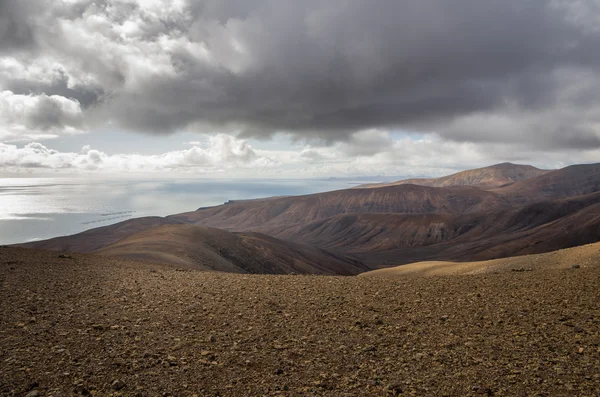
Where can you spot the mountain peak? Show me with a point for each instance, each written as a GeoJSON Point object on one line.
{"type": "Point", "coordinates": [489, 177]}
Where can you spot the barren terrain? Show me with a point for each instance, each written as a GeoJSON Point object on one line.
{"type": "Point", "coordinates": [486, 178]}
{"type": "Point", "coordinates": [347, 231]}
{"type": "Point", "coordinates": [570, 258]}
{"type": "Point", "coordinates": [204, 248]}
{"type": "Point", "coordinates": [101, 326]}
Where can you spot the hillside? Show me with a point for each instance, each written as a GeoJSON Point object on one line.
{"type": "Point", "coordinates": [407, 199]}
{"type": "Point", "coordinates": [561, 223]}
{"type": "Point", "coordinates": [94, 239]}
{"type": "Point", "coordinates": [379, 227]}
{"type": "Point", "coordinates": [493, 238]}
{"type": "Point", "coordinates": [92, 325]}
{"type": "Point", "coordinates": [485, 178]}
{"type": "Point", "coordinates": [571, 181]}
{"type": "Point", "coordinates": [203, 248]}
{"type": "Point", "coordinates": [583, 256]}
{"type": "Point", "coordinates": [275, 214]}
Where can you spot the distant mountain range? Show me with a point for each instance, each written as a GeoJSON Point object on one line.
{"type": "Point", "coordinates": [486, 213]}
{"type": "Point", "coordinates": [485, 178]}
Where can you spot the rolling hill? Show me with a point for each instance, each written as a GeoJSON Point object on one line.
{"type": "Point", "coordinates": [571, 181]}
{"type": "Point", "coordinates": [379, 226]}
{"type": "Point", "coordinates": [370, 232]}
{"type": "Point", "coordinates": [570, 258]}
{"type": "Point", "coordinates": [271, 214]}
{"type": "Point", "coordinates": [262, 215]}
{"type": "Point", "coordinates": [485, 178]}
{"type": "Point", "coordinates": [204, 248]}
{"type": "Point", "coordinates": [94, 239]}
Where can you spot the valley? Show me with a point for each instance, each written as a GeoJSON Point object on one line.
{"type": "Point", "coordinates": [495, 212]}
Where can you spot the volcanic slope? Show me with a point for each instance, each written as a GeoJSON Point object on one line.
{"type": "Point", "coordinates": [262, 215]}
{"type": "Point", "coordinates": [406, 223]}
{"type": "Point", "coordinates": [485, 178]}
{"type": "Point", "coordinates": [570, 258]}
{"type": "Point", "coordinates": [272, 214]}
{"type": "Point", "coordinates": [571, 181]}
{"type": "Point", "coordinates": [204, 248]}
{"type": "Point", "coordinates": [100, 237]}
{"type": "Point", "coordinates": [545, 226]}
{"type": "Point", "coordinates": [92, 325]}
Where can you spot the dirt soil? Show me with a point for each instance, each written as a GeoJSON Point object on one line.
{"type": "Point", "coordinates": [99, 326]}
{"type": "Point", "coordinates": [583, 256]}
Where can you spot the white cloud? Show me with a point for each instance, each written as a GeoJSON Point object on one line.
{"type": "Point", "coordinates": [34, 117]}
{"type": "Point", "coordinates": [414, 156]}
{"type": "Point", "coordinates": [228, 156]}
{"type": "Point", "coordinates": [222, 153]}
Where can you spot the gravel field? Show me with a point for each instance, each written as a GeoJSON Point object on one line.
{"type": "Point", "coordinates": [77, 324]}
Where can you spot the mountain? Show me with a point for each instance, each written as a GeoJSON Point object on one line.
{"type": "Point", "coordinates": [266, 214]}
{"type": "Point", "coordinates": [394, 239]}
{"type": "Point", "coordinates": [570, 258]}
{"type": "Point", "coordinates": [366, 228]}
{"type": "Point", "coordinates": [96, 238]}
{"type": "Point", "coordinates": [485, 178]}
{"type": "Point", "coordinates": [205, 248]}
{"type": "Point", "coordinates": [370, 232]}
{"type": "Point", "coordinates": [571, 181]}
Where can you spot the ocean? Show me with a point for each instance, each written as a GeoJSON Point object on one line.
{"type": "Point", "coordinates": [40, 208]}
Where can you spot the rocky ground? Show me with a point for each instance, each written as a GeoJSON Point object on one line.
{"type": "Point", "coordinates": [96, 326]}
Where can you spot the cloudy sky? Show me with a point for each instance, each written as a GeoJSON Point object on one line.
{"type": "Point", "coordinates": [307, 88]}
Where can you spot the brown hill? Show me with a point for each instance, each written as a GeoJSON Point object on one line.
{"type": "Point", "coordinates": [263, 215]}
{"type": "Point", "coordinates": [571, 181]}
{"type": "Point", "coordinates": [485, 178]}
{"type": "Point", "coordinates": [393, 225]}
{"type": "Point", "coordinates": [205, 248]}
{"type": "Point", "coordinates": [369, 233]}
{"type": "Point", "coordinates": [94, 239]}
{"type": "Point", "coordinates": [287, 216]}
{"type": "Point", "coordinates": [580, 227]}
{"type": "Point", "coordinates": [570, 258]}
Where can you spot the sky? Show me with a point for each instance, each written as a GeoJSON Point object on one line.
{"type": "Point", "coordinates": [276, 88]}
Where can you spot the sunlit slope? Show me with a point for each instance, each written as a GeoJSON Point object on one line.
{"type": "Point", "coordinates": [484, 178]}
{"type": "Point", "coordinates": [570, 258]}
{"type": "Point", "coordinates": [204, 248]}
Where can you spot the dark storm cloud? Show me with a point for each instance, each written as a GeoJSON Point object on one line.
{"type": "Point", "coordinates": [16, 31]}
{"type": "Point", "coordinates": [327, 69]}
{"type": "Point", "coordinates": [85, 95]}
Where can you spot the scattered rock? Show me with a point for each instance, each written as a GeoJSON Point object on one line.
{"type": "Point", "coordinates": [172, 360]}
{"type": "Point", "coordinates": [394, 390]}
{"type": "Point", "coordinates": [575, 266]}
{"type": "Point", "coordinates": [118, 385]}
{"type": "Point", "coordinates": [181, 333]}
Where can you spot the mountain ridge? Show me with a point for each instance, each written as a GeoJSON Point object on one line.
{"type": "Point", "coordinates": [485, 177]}
{"type": "Point", "coordinates": [384, 226]}
{"type": "Point", "coordinates": [204, 248]}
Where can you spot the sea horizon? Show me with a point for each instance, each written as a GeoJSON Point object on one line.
{"type": "Point", "coordinates": [37, 208]}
